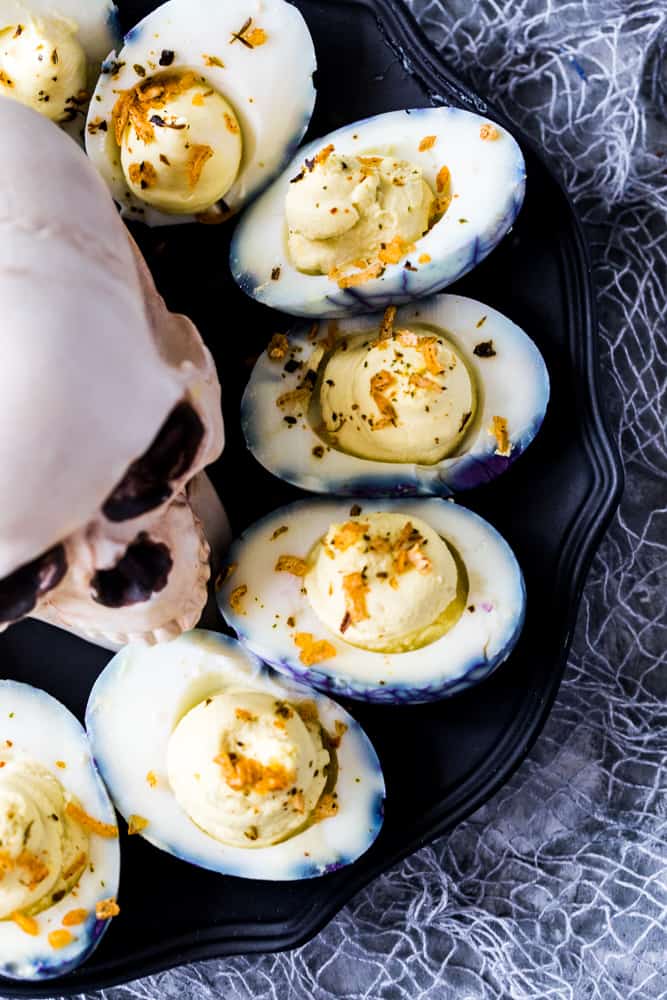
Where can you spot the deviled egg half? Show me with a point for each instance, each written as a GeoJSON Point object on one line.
{"type": "Point", "coordinates": [59, 852]}
{"type": "Point", "coordinates": [232, 767]}
{"type": "Point", "coordinates": [435, 397]}
{"type": "Point", "coordinates": [202, 105]}
{"type": "Point", "coordinates": [380, 212]}
{"type": "Point", "coordinates": [385, 600]}
{"type": "Point", "coordinates": [51, 52]}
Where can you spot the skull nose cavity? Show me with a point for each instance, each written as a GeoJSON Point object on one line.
{"type": "Point", "coordinates": [142, 571]}
{"type": "Point", "coordinates": [20, 591]}
{"type": "Point", "coordinates": [148, 481]}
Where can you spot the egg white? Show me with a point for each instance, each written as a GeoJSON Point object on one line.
{"type": "Point", "coordinates": [487, 184]}
{"type": "Point", "coordinates": [480, 640]}
{"type": "Point", "coordinates": [513, 383]}
{"type": "Point", "coordinates": [132, 711]}
{"type": "Point", "coordinates": [44, 730]}
{"type": "Point", "coordinates": [269, 87]}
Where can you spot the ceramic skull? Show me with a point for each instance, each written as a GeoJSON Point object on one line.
{"type": "Point", "coordinates": [109, 409]}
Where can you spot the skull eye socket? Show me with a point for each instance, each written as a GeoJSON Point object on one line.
{"type": "Point", "coordinates": [142, 571]}
{"type": "Point", "coordinates": [147, 483]}
{"type": "Point", "coordinates": [20, 591]}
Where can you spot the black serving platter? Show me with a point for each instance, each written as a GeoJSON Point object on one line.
{"type": "Point", "coordinates": [441, 761]}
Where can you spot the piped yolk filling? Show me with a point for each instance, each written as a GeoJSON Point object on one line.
{"type": "Point", "coordinates": [386, 582]}
{"type": "Point", "coordinates": [180, 142]}
{"type": "Point", "coordinates": [249, 770]}
{"type": "Point", "coordinates": [401, 395]}
{"type": "Point", "coordinates": [43, 65]}
{"type": "Point", "coordinates": [356, 214]}
{"type": "Point", "coordinates": [43, 849]}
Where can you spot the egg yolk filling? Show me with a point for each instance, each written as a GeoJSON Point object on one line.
{"type": "Point", "coordinates": [403, 395]}
{"type": "Point", "coordinates": [361, 211]}
{"type": "Point", "coordinates": [180, 142]}
{"type": "Point", "coordinates": [386, 582]}
{"type": "Point", "coordinates": [248, 769]}
{"type": "Point", "coordinates": [43, 851]}
{"type": "Point", "coordinates": [43, 65]}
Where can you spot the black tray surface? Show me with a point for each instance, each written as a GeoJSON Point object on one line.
{"type": "Point", "coordinates": [441, 761]}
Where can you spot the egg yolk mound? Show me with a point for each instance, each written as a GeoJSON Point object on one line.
{"type": "Point", "coordinates": [402, 395]}
{"type": "Point", "coordinates": [361, 211]}
{"type": "Point", "coordinates": [43, 65]}
{"type": "Point", "coordinates": [180, 142]}
{"type": "Point", "coordinates": [43, 849]}
{"type": "Point", "coordinates": [385, 582]}
{"type": "Point", "coordinates": [248, 769]}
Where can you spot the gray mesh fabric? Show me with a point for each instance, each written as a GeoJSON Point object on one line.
{"type": "Point", "coordinates": [557, 888]}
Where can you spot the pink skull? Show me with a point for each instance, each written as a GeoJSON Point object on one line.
{"type": "Point", "coordinates": [110, 409]}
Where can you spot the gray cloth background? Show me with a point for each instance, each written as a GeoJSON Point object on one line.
{"type": "Point", "coordinates": [557, 888]}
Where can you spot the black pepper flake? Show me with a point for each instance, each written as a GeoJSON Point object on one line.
{"type": "Point", "coordinates": [275, 273]}
{"type": "Point", "coordinates": [167, 57]}
{"type": "Point", "coordinates": [355, 510]}
{"type": "Point", "coordinates": [208, 701]}
{"type": "Point", "coordinates": [409, 266]}
{"type": "Point", "coordinates": [299, 177]}
{"type": "Point", "coordinates": [346, 622]}
{"type": "Point", "coordinates": [291, 621]}
{"type": "Point", "coordinates": [113, 68]}
{"type": "Point", "coordinates": [471, 607]}
{"type": "Point", "coordinates": [464, 420]}
{"type": "Point", "coordinates": [480, 322]}
{"type": "Point", "coordinates": [484, 349]}
{"type": "Point", "coordinates": [95, 127]}
{"type": "Point", "coordinates": [54, 57]}
{"type": "Point", "coordinates": [292, 366]}
{"type": "Point", "coordinates": [139, 69]}
{"type": "Point", "coordinates": [318, 451]}
{"type": "Point", "coordinates": [330, 382]}
{"type": "Point", "coordinates": [310, 378]}
{"type": "Point", "coordinates": [57, 896]}
{"type": "Point", "coordinates": [310, 164]}
{"type": "Point", "coordinates": [290, 420]}
{"type": "Point", "coordinates": [237, 36]}
{"type": "Point", "coordinates": [161, 123]}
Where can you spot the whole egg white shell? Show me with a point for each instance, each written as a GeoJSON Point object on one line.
{"type": "Point", "coordinates": [145, 691]}
{"type": "Point", "coordinates": [480, 640]}
{"type": "Point", "coordinates": [513, 383]}
{"type": "Point", "coordinates": [44, 730]}
{"type": "Point", "coordinates": [487, 184]}
{"type": "Point", "coordinates": [269, 87]}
